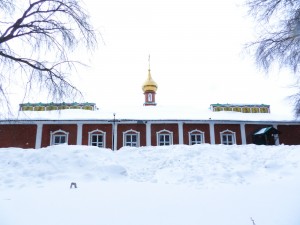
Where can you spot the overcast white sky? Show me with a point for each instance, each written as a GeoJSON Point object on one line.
{"type": "Point", "coordinates": [196, 55]}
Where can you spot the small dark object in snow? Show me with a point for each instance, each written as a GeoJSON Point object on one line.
{"type": "Point", "coordinates": [73, 185]}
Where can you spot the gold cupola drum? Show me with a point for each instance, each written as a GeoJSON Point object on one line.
{"type": "Point", "coordinates": [149, 88]}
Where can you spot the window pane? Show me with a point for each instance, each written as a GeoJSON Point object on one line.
{"type": "Point", "coordinates": [94, 138]}
{"type": "Point", "coordinates": [167, 138]}
{"type": "Point", "coordinates": [100, 138]}
{"type": "Point", "coordinates": [161, 138]}
{"type": "Point", "coordinates": [227, 139]}
{"type": "Point", "coordinates": [164, 139]}
{"type": "Point", "coordinates": [193, 138]}
{"type": "Point", "coordinates": [56, 139]}
{"type": "Point", "coordinates": [128, 138]}
{"type": "Point", "coordinates": [134, 138]}
{"type": "Point", "coordinates": [59, 139]}
{"type": "Point", "coordinates": [131, 140]}
{"type": "Point", "coordinates": [63, 139]}
{"type": "Point", "coordinates": [97, 140]}
{"type": "Point", "coordinates": [224, 138]}
{"type": "Point", "coordinates": [100, 144]}
{"type": "Point", "coordinates": [230, 139]}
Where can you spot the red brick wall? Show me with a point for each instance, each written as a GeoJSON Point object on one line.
{"type": "Point", "coordinates": [232, 127]}
{"type": "Point", "coordinates": [71, 128]}
{"type": "Point", "coordinates": [289, 134]}
{"type": "Point", "coordinates": [21, 136]}
{"type": "Point", "coordinates": [250, 129]}
{"type": "Point", "coordinates": [136, 127]}
{"type": "Point", "coordinates": [158, 127]}
{"type": "Point", "coordinates": [190, 127]}
{"type": "Point", "coordinates": [107, 128]}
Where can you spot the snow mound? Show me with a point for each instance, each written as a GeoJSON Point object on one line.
{"type": "Point", "coordinates": [199, 165]}
{"type": "Point", "coordinates": [178, 185]}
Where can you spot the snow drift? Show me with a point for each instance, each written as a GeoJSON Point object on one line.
{"type": "Point", "coordinates": [178, 185]}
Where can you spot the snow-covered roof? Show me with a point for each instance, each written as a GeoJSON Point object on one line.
{"type": "Point", "coordinates": [152, 113]}
{"type": "Point", "coordinates": [263, 130]}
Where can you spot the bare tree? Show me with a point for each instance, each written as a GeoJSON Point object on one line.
{"type": "Point", "coordinates": [279, 41]}
{"type": "Point", "coordinates": [36, 37]}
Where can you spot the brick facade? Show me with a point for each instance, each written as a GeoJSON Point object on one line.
{"type": "Point", "coordinates": [29, 135]}
{"type": "Point", "coordinates": [107, 128]}
{"type": "Point", "coordinates": [165, 126]}
{"type": "Point", "coordinates": [141, 128]}
{"type": "Point", "coordinates": [17, 135]}
{"type": "Point", "coordinates": [289, 134]}
{"type": "Point", "coordinates": [190, 127]}
{"type": "Point", "coordinates": [48, 128]}
{"type": "Point", "coordinates": [231, 127]}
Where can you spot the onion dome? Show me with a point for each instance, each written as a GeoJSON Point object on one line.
{"type": "Point", "coordinates": [149, 84]}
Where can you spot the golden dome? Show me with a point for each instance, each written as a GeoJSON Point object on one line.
{"type": "Point", "coordinates": [149, 84]}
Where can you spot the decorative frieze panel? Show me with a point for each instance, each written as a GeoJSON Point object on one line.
{"type": "Point", "coordinates": [240, 108]}
{"type": "Point", "coordinates": [56, 106]}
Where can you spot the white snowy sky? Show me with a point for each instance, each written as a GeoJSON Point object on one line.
{"type": "Point", "coordinates": [196, 50]}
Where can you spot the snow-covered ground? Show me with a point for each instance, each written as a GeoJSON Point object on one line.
{"type": "Point", "coordinates": [174, 185]}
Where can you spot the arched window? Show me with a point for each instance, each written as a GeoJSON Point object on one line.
{"type": "Point", "coordinates": [164, 137]}
{"type": "Point", "coordinates": [59, 137]}
{"type": "Point", "coordinates": [131, 138]}
{"type": "Point", "coordinates": [227, 137]}
{"type": "Point", "coordinates": [97, 138]}
{"type": "Point", "coordinates": [196, 137]}
{"type": "Point", "coordinates": [150, 97]}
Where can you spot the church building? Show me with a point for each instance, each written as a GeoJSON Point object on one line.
{"type": "Point", "coordinates": [39, 125]}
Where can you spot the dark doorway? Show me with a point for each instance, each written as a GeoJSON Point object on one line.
{"type": "Point", "coordinates": [265, 136]}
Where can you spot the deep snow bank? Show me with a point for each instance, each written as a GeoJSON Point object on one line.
{"type": "Point", "coordinates": [219, 185]}
{"type": "Point", "coordinates": [198, 165]}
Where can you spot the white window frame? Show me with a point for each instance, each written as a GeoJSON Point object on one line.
{"type": "Point", "coordinates": [196, 132]}
{"type": "Point", "coordinates": [131, 132]}
{"type": "Point", "coordinates": [97, 132]}
{"type": "Point", "coordinates": [59, 133]}
{"type": "Point", "coordinates": [164, 132]}
{"type": "Point", "coordinates": [228, 133]}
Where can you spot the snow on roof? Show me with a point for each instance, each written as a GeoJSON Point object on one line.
{"type": "Point", "coordinates": [152, 113]}
{"type": "Point", "coordinates": [262, 131]}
